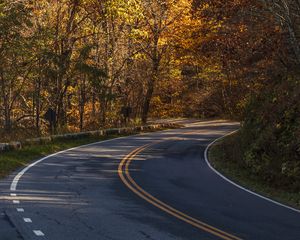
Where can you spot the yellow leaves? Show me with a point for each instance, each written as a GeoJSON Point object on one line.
{"type": "Point", "coordinates": [139, 56]}
{"type": "Point", "coordinates": [137, 33]}
{"type": "Point", "coordinates": [205, 6]}
{"type": "Point", "coordinates": [242, 28]}
{"type": "Point", "coordinates": [127, 11]}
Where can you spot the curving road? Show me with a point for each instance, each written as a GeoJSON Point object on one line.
{"type": "Point", "coordinates": [152, 186]}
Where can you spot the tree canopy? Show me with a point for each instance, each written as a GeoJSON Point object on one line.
{"type": "Point", "coordinates": [88, 59]}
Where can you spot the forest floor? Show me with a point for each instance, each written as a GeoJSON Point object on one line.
{"type": "Point", "coordinates": [224, 157]}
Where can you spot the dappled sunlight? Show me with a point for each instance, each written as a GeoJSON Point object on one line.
{"type": "Point", "coordinates": [29, 199]}
{"type": "Point", "coordinates": [93, 90]}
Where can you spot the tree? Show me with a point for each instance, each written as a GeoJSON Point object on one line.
{"type": "Point", "coordinates": [287, 12]}
{"type": "Point", "coordinates": [159, 16]}
{"type": "Point", "coordinates": [15, 57]}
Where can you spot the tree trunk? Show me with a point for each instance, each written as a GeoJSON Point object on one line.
{"type": "Point", "coordinates": [147, 102]}
{"type": "Point", "coordinates": [82, 101]}
{"type": "Point", "coordinates": [7, 118]}
{"type": "Point", "coordinates": [6, 106]}
{"type": "Point", "coordinates": [150, 90]}
{"type": "Point", "coordinates": [38, 106]}
{"type": "Point", "coordinates": [103, 112]}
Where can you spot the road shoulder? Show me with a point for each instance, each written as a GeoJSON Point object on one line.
{"type": "Point", "coordinates": [224, 155]}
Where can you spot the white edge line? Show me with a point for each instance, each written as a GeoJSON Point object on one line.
{"type": "Point", "coordinates": [38, 233]}
{"type": "Point", "coordinates": [14, 184]}
{"type": "Point", "coordinates": [27, 220]}
{"type": "Point", "coordinates": [235, 184]}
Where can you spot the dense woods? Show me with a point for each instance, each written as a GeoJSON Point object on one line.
{"type": "Point", "coordinates": [257, 48]}
{"type": "Point", "coordinates": [86, 60]}
{"type": "Point", "coordinates": [98, 63]}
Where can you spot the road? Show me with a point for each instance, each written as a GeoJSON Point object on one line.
{"type": "Point", "coordinates": [151, 186]}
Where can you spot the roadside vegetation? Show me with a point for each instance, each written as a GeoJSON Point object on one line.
{"type": "Point", "coordinates": [261, 64]}
{"type": "Point", "coordinates": [81, 65]}
{"type": "Point", "coordinates": [228, 157]}
{"type": "Point", "coordinates": [10, 160]}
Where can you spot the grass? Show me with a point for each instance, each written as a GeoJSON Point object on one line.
{"type": "Point", "coordinates": [11, 160]}
{"type": "Point", "coordinates": [227, 157]}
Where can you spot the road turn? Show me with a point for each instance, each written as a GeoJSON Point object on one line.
{"type": "Point", "coordinates": [150, 186]}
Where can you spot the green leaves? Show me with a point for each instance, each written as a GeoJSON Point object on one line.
{"type": "Point", "coordinates": [85, 66]}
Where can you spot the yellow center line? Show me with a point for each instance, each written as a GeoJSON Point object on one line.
{"type": "Point", "coordinates": [133, 186]}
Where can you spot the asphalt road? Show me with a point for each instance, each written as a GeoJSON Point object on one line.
{"type": "Point", "coordinates": [152, 186]}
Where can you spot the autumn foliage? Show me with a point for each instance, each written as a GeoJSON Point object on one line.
{"type": "Point", "coordinates": [88, 60]}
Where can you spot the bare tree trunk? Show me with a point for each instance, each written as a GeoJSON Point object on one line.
{"type": "Point", "coordinates": [148, 98]}
{"type": "Point", "coordinates": [287, 14]}
{"type": "Point", "coordinates": [7, 117]}
{"type": "Point", "coordinates": [82, 102]}
{"type": "Point", "coordinates": [38, 106]}
{"type": "Point", "coordinates": [103, 107]}
{"type": "Point", "coordinates": [6, 104]}
{"type": "Point", "coordinates": [150, 90]}
{"type": "Point", "coordinates": [155, 57]}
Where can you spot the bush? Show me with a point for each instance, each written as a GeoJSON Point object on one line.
{"type": "Point", "coordinates": [271, 134]}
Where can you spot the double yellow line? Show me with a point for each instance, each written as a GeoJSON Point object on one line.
{"type": "Point", "coordinates": [124, 174]}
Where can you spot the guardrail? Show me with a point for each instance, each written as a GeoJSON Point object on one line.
{"type": "Point", "coordinates": [106, 132]}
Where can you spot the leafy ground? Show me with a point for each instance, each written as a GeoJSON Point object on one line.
{"type": "Point", "coordinates": [227, 157]}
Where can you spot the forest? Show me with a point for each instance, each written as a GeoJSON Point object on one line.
{"type": "Point", "coordinates": [95, 63]}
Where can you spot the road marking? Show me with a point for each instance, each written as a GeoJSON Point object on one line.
{"type": "Point", "coordinates": [124, 174]}
{"type": "Point", "coordinates": [14, 184]}
{"type": "Point", "coordinates": [27, 220]}
{"type": "Point", "coordinates": [235, 184]}
{"type": "Point", "coordinates": [13, 194]}
{"type": "Point", "coordinates": [38, 233]}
